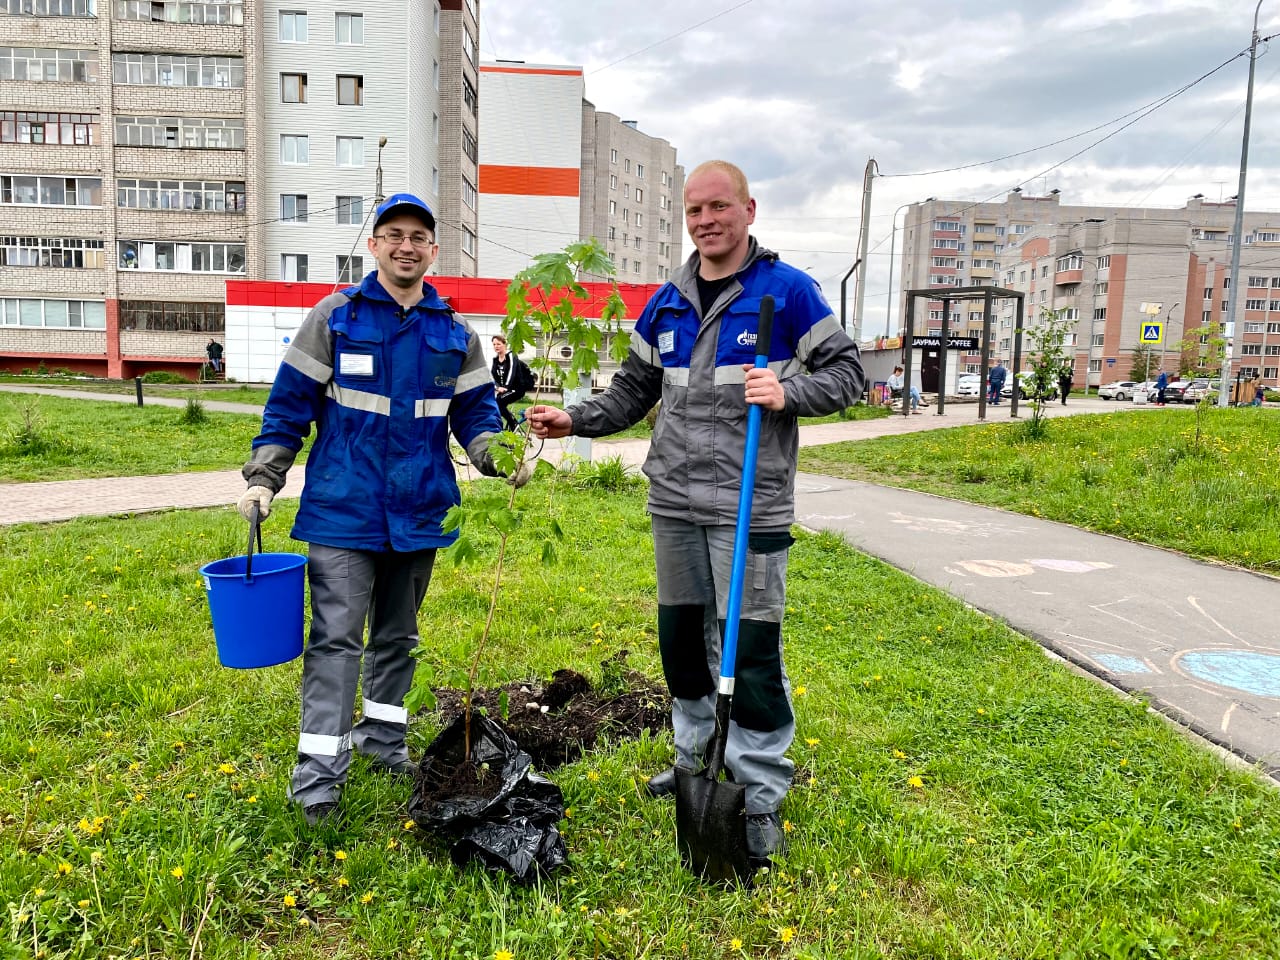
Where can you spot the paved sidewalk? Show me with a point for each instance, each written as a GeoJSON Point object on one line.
{"type": "Point", "coordinates": [1196, 638]}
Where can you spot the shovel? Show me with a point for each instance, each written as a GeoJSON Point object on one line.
{"type": "Point", "coordinates": [711, 815]}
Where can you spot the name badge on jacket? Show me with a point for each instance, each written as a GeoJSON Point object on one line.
{"type": "Point", "coordinates": [356, 364]}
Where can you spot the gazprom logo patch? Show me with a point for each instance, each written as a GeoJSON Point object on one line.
{"type": "Point", "coordinates": [746, 339]}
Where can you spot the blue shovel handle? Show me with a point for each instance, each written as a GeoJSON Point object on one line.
{"type": "Point", "coordinates": [733, 613]}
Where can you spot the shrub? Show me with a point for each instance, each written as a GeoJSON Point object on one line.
{"type": "Point", "coordinates": [610, 474]}
{"type": "Point", "coordinates": [164, 376]}
{"type": "Point", "coordinates": [194, 413]}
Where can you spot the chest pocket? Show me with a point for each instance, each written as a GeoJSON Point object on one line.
{"type": "Point", "coordinates": [444, 351]}
{"type": "Point", "coordinates": [358, 359]}
{"type": "Point", "coordinates": [674, 328]}
{"type": "Point", "coordinates": [739, 327]}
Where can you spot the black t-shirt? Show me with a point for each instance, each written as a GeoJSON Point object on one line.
{"type": "Point", "coordinates": [708, 290]}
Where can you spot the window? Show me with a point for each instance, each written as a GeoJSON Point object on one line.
{"type": "Point", "coordinates": [468, 193]}
{"type": "Point", "coordinates": [1251, 349]}
{"type": "Point", "coordinates": [350, 210]}
{"type": "Point", "coordinates": [613, 181]}
{"type": "Point", "coordinates": [639, 195]}
{"type": "Point", "coordinates": [666, 179]}
{"type": "Point", "coordinates": [1101, 288]}
{"type": "Point", "coordinates": [948, 226]}
{"type": "Point", "coordinates": [62, 129]}
{"type": "Point", "coordinates": [639, 219]}
{"type": "Point", "coordinates": [293, 88]}
{"type": "Point", "coordinates": [293, 208]}
{"type": "Point", "coordinates": [350, 152]}
{"type": "Point", "coordinates": [209, 133]}
{"type": "Point", "coordinates": [158, 255]}
{"type": "Point", "coordinates": [1104, 262]}
{"type": "Point", "coordinates": [293, 26]}
{"type": "Point", "coordinates": [293, 267]}
{"type": "Point", "coordinates": [350, 269]}
{"type": "Point", "coordinates": [626, 216]}
{"type": "Point", "coordinates": [435, 180]}
{"type": "Point", "coordinates": [293, 148]}
{"type": "Point", "coordinates": [350, 90]}
{"type": "Point", "coordinates": [1273, 350]}
{"type": "Point", "coordinates": [626, 165]}
{"type": "Point", "coordinates": [86, 314]}
{"type": "Point", "coordinates": [944, 262]}
{"type": "Point", "coordinates": [180, 11]}
{"type": "Point", "coordinates": [49, 8]}
{"type": "Point", "coordinates": [639, 171]}
{"type": "Point", "coordinates": [637, 241]}
{"type": "Point", "coordinates": [51, 191]}
{"type": "Point", "coordinates": [1273, 328]}
{"type": "Point", "coordinates": [171, 70]}
{"type": "Point", "coordinates": [189, 316]}
{"type": "Point", "coordinates": [1097, 339]}
{"type": "Point", "coordinates": [1206, 317]}
{"type": "Point", "coordinates": [613, 207]}
{"type": "Point", "coordinates": [1257, 281]}
{"type": "Point", "coordinates": [1099, 313]}
{"type": "Point", "coordinates": [613, 156]}
{"type": "Point", "coordinates": [1071, 262]}
{"type": "Point", "coordinates": [435, 128]}
{"type": "Point", "coordinates": [348, 30]}
{"type": "Point", "coordinates": [626, 191]}
{"type": "Point", "coordinates": [468, 242]}
{"type": "Point", "coordinates": [48, 64]}
{"type": "Point", "coordinates": [469, 96]}
{"type": "Point", "coordinates": [1253, 327]}
{"type": "Point", "coordinates": [1255, 304]}
{"type": "Point", "coordinates": [194, 195]}
{"type": "Point", "coordinates": [469, 46]}
{"type": "Point", "coordinates": [435, 73]}
{"type": "Point", "coordinates": [66, 252]}
{"type": "Point", "coordinates": [612, 234]}
{"type": "Point", "coordinates": [469, 145]}
{"type": "Point", "coordinates": [437, 20]}
{"type": "Point", "coordinates": [1044, 271]}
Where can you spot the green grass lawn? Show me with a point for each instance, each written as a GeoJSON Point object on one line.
{"type": "Point", "coordinates": [1202, 481]}
{"type": "Point", "coordinates": [959, 794]}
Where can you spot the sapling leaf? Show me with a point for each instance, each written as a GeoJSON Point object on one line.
{"type": "Point", "coordinates": [420, 697]}
{"type": "Point", "coordinates": [462, 551]}
{"type": "Point", "coordinates": [549, 554]}
{"type": "Point", "coordinates": [557, 531]}
{"type": "Point", "coordinates": [505, 521]}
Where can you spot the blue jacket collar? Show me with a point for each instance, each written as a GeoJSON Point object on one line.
{"type": "Point", "coordinates": [371, 289]}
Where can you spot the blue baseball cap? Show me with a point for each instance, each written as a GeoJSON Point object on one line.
{"type": "Point", "coordinates": [399, 203]}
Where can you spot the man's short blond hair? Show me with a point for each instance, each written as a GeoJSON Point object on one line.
{"type": "Point", "coordinates": [735, 175]}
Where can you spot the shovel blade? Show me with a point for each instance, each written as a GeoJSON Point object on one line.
{"type": "Point", "coordinates": [711, 827]}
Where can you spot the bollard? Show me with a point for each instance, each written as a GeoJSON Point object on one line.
{"type": "Point", "coordinates": [137, 387]}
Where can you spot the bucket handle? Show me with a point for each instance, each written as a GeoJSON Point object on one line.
{"type": "Point", "coordinates": [255, 529]}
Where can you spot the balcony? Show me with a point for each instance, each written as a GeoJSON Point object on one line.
{"type": "Point", "coordinates": [1064, 277]}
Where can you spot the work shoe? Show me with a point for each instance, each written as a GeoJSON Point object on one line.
{"type": "Point", "coordinates": [662, 784]}
{"type": "Point", "coordinates": [764, 838]}
{"type": "Point", "coordinates": [322, 812]}
{"type": "Point", "coordinates": [404, 770]}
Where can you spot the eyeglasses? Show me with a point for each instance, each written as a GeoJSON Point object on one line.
{"type": "Point", "coordinates": [395, 238]}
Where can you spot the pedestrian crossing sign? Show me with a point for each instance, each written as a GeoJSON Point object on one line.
{"type": "Point", "coordinates": [1153, 332]}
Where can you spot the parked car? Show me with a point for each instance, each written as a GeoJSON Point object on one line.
{"type": "Point", "coordinates": [1200, 388]}
{"type": "Point", "coordinates": [969, 385]}
{"type": "Point", "coordinates": [1025, 387]}
{"type": "Point", "coordinates": [1173, 392]}
{"type": "Point", "coordinates": [1119, 390]}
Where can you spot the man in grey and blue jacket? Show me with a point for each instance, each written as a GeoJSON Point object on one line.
{"type": "Point", "coordinates": [693, 348]}
{"type": "Point", "coordinates": [386, 371]}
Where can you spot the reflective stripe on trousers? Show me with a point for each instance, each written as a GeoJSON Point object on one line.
{"type": "Point", "coordinates": [348, 589]}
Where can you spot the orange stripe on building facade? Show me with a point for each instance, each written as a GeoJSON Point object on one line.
{"type": "Point", "coordinates": [544, 71]}
{"type": "Point", "coordinates": [529, 181]}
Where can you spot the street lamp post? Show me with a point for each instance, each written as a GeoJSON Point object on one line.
{"type": "Point", "coordinates": [1233, 291]}
{"type": "Point", "coordinates": [893, 236]}
{"type": "Point", "coordinates": [377, 184]}
{"type": "Point", "coordinates": [1164, 342]}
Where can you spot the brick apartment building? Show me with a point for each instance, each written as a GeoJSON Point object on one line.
{"type": "Point", "coordinates": [151, 150]}
{"type": "Point", "coordinates": [1099, 265]}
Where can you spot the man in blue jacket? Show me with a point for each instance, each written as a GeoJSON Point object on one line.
{"type": "Point", "coordinates": [385, 371]}
{"type": "Point", "coordinates": [693, 348]}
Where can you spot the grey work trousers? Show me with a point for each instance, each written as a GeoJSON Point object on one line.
{"type": "Point", "coordinates": [694, 565]}
{"type": "Point", "coordinates": [348, 588]}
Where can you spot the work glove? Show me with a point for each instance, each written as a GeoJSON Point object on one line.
{"type": "Point", "coordinates": [262, 496]}
{"type": "Point", "coordinates": [521, 476]}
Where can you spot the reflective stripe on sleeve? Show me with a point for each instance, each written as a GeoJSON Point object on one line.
{"type": "Point", "coordinates": [359, 400]}
{"type": "Point", "coordinates": [819, 332]}
{"type": "Point", "coordinates": [319, 745]}
{"type": "Point", "coordinates": [308, 366]}
{"type": "Point", "coordinates": [479, 377]}
{"type": "Point", "coordinates": [644, 351]}
{"type": "Point", "coordinates": [386, 711]}
{"type": "Point", "coordinates": [676, 376]}
{"type": "Point", "coordinates": [432, 408]}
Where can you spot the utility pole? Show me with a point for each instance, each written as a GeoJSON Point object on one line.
{"type": "Point", "coordinates": [893, 236]}
{"type": "Point", "coordinates": [1233, 284]}
{"type": "Point", "coordinates": [864, 236]}
{"type": "Point", "coordinates": [377, 180]}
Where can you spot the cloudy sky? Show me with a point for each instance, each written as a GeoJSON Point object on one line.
{"type": "Point", "coordinates": [800, 93]}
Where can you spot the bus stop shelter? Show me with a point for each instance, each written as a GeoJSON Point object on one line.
{"type": "Point", "coordinates": [988, 295]}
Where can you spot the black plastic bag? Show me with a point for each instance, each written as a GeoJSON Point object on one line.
{"type": "Point", "coordinates": [506, 817]}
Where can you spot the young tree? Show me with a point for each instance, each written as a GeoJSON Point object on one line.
{"type": "Point", "coordinates": [1046, 356]}
{"type": "Point", "coordinates": [1201, 350]}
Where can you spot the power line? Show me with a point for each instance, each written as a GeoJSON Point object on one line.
{"type": "Point", "coordinates": [678, 33]}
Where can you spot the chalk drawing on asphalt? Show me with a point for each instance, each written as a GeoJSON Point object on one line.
{"type": "Point", "coordinates": [1248, 670]}
{"type": "Point", "coordinates": [1120, 664]}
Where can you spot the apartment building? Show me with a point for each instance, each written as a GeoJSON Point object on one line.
{"type": "Point", "coordinates": [554, 169]}
{"type": "Point", "coordinates": [1099, 266]}
{"type": "Point", "coordinates": [129, 191]}
{"type": "Point", "coordinates": [150, 150]}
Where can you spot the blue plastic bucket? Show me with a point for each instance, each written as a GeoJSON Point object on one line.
{"type": "Point", "coordinates": [257, 609]}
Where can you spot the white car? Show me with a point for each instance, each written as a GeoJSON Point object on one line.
{"type": "Point", "coordinates": [1026, 384]}
{"type": "Point", "coordinates": [969, 385]}
{"type": "Point", "coordinates": [1119, 390]}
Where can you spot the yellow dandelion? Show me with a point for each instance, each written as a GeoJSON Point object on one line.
{"type": "Point", "coordinates": [568, 813]}
{"type": "Point", "coordinates": [970, 840]}
{"type": "Point", "coordinates": [393, 843]}
{"type": "Point", "coordinates": [899, 755]}
{"type": "Point", "coordinates": [982, 712]}
{"type": "Point", "coordinates": [64, 868]}
{"type": "Point", "coordinates": [191, 796]}
{"type": "Point", "coordinates": [592, 776]}
{"type": "Point", "coordinates": [735, 944]}
{"type": "Point", "coordinates": [504, 955]}
{"type": "Point", "coordinates": [226, 768]}
{"type": "Point", "coordinates": [139, 797]}
{"type": "Point", "coordinates": [800, 691]}
{"type": "Point", "coordinates": [135, 767]}
{"type": "Point", "coordinates": [339, 854]}
{"type": "Point", "coordinates": [290, 900]}
{"type": "Point", "coordinates": [366, 897]}
{"type": "Point", "coordinates": [812, 741]}
{"type": "Point", "coordinates": [788, 826]}
{"type": "Point", "coordinates": [1124, 761]}
{"type": "Point", "coordinates": [176, 873]}
{"type": "Point", "coordinates": [915, 782]}
{"type": "Point", "coordinates": [84, 904]}
{"type": "Point", "coordinates": [95, 857]}
{"type": "Point", "coordinates": [787, 934]}
{"type": "Point", "coordinates": [253, 799]}
{"type": "Point", "coordinates": [343, 882]}
{"type": "Point", "coordinates": [409, 824]}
